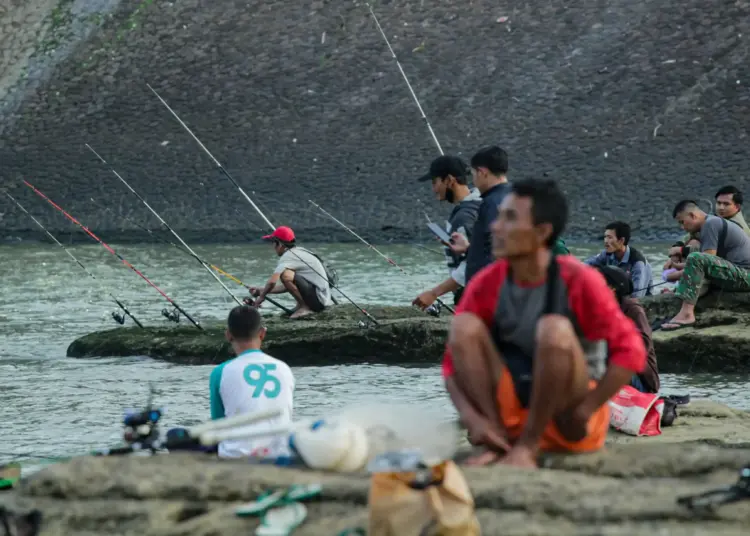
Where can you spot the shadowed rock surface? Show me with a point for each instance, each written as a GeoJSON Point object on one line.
{"type": "Point", "coordinates": [625, 489]}
{"type": "Point", "coordinates": [720, 342]}
{"type": "Point", "coordinates": [631, 105]}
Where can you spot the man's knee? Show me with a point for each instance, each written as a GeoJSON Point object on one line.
{"type": "Point", "coordinates": [467, 328]}
{"type": "Point", "coordinates": [555, 332]}
{"type": "Point", "coordinates": [287, 276]}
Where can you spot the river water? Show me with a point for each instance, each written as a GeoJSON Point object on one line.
{"type": "Point", "coordinates": [51, 405]}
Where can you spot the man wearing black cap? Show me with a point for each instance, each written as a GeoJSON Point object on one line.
{"type": "Point", "coordinates": [450, 177]}
{"type": "Point", "coordinates": [489, 167]}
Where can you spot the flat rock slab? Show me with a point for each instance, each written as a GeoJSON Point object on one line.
{"type": "Point", "coordinates": [719, 341]}
{"type": "Point", "coordinates": [628, 488]}
{"type": "Point", "coordinates": [338, 335]}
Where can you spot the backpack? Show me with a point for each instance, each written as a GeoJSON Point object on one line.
{"type": "Point", "coordinates": [331, 274]}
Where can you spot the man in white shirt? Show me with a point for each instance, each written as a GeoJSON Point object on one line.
{"type": "Point", "coordinates": [251, 382]}
{"type": "Point", "coordinates": [299, 272]}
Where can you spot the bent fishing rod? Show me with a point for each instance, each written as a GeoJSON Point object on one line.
{"type": "Point", "coordinates": [165, 241]}
{"type": "Point", "coordinates": [169, 315]}
{"type": "Point", "coordinates": [249, 200]}
{"type": "Point", "coordinates": [188, 249]}
{"type": "Point", "coordinates": [118, 317]}
{"type": "Point", "coordinates": [376, 250]}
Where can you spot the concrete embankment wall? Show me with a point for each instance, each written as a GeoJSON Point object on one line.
{"type": "Point", "coordinates": [631, 105]}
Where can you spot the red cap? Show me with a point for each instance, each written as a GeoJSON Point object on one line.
{"type": "Point", "coordinates": [283, 234]}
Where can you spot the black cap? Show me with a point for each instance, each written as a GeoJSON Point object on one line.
{"type": "Point", "coordinates": [617, 279]}
{"type": "Point", "coordinates": [446, 165]}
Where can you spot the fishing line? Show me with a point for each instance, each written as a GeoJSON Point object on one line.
{"type": "Point", "coordinates": [169, 315]}
{"type": "Point", "coordinates": [376, 250]}
{"type": "Point", "coordinates": [165, 241]}
{"type": "Point", "coordinates": [406, 79]}
{"type": "Point", "coordinates": [118, 318]}
{"type": "Point", "coordinates": [188, 249]}
{"type": "Point", "coordinates": [249, 200]}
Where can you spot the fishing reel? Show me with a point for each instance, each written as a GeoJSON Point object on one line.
{"type": "Point", "coordinates": [433, 310]}
{"type": "Point", "coordinates": [172, 316]}
{"type": "Point", "coordinates": [141, 428]}
{"type": "Point", "coordinates": [119, 317]}
{"type": "Point", "coordinates": [717, 497]}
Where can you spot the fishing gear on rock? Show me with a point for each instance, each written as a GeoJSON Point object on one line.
{"type": "Point", "coordinates": [170, 315]}
{"type": "Point", "coordinates": [165, 241]}
{"type": "Point", "coordinates": [118, 317]}
{"type": "Point", "coordinates": [709, 500]}
{"type": "Point", "coordinates": [260, 212]}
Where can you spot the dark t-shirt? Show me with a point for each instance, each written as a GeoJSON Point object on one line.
{"type": "Point", "coordinates": [635, 312]}
{"type": "Point", "coordinates": [480, 247]}
{"type": "Point", "coordinates": [737, 243]}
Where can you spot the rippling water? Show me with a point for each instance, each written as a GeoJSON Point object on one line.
{"type": "Point", "coordinates": [53, 405]}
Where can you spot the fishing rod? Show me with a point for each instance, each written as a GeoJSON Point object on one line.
{"type": "Point", "coordinates": [165, 241]}
{"type": "Point", "coordinates": [247, 197]}
{"type": "Point", "coordinates": [376, 250]}
{"type": "Point", "coordinates": [118, 317]}
{"type": "Point", "coordinates": [406, 79]}
{"type": "Point", "coordinates": [172, 316]}
{"type": "Point", "coordinates": [188, 249]}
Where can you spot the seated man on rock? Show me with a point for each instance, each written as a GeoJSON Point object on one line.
{"type": "Point", "coordinates": [620, 284]}
{"type": "Point", "coordinates": [729, 206]}
{"type": "Point", "coordinates": [299, 272]}
{"type": "Point", "coordinates": [251, 382]}
{"type": "Point", "coordinates": [618, 253]}
{"type": "Point", "coordinates": [515, 366]}
{"type": "Point", "coordinates": [723, 259]}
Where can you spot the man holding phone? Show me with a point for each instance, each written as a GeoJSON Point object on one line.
{"type": "Point", "coordinates": [489, 167]}
{"type": "Point", "coordinates": [450, 176]}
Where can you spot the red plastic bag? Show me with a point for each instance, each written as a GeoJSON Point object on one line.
{"type": "Point", "coordinates": [636, 413]}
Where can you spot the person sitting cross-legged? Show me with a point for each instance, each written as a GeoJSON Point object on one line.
{"type": "Point", "coordinates": [539, 343]}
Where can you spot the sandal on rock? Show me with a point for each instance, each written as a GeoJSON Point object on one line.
{"type": "Point", "coordinates": [282, 521]}
{"type": "Point", "coordinates": [676, 325]}
{"type": "Point", "coordinates": [270, 499]}
{"type": "Point", "coordinates": [10, 474]}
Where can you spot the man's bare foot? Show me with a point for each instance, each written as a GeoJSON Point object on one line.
{"type": "Point", "coordinates": [487, 457]}
{"type": "Point", "coordinates": [302, 311]}
{"type": "Point", "coordinates": [520, 456]}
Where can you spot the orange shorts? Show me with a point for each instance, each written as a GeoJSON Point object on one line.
{"type": "Point", "coordinates": [513, 416]}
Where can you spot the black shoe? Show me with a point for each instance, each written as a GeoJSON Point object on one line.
{"type": "Point", "coordinates": [669, 414]}
{"type": "Point", "coordinates": [679, 400]}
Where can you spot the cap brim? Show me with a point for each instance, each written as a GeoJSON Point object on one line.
{"type": "Point", "coordinates": [425, 178]}
{"type": "Point", "coordinates": [268, 237]}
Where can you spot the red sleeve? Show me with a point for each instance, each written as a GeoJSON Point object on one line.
{"type": "Point", "coordinates": [479, 298]}
{"type": "Point", "coordinates": [600, 318]}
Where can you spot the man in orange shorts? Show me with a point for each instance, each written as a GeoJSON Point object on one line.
{"type": "Point", "coordinates": [538, 344]}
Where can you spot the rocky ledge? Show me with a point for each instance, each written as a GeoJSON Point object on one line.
{"type": "Point", "coordinates": [629, 488]}
{"type": "Point", "coordinates": [719, 342]}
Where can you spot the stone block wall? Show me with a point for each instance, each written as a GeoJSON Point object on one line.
{"type": "Point", "coordinates": [630, 104]}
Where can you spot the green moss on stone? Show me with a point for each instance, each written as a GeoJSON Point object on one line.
{"type": "Point", "coordinates": [720, 342]}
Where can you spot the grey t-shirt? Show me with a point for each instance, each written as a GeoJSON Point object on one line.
{"type": "Point", "coordinates": [737, 243]}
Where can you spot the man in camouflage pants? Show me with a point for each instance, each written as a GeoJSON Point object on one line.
{"type": "Point", "coordinates": [724, 260]}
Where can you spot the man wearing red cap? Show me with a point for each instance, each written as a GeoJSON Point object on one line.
{"type": "Point", "coordinates": [299, 272]}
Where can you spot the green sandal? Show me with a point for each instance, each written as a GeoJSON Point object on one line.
{"type": "Point", "coordinates": [270, 499]}
{"type": "Point", "coordinates": [10, 474]}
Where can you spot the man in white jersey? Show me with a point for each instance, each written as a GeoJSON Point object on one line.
{"type": "Point", "coordinates": [299, 272]}
{"type": "Point", "coordinates": [251, 382]}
